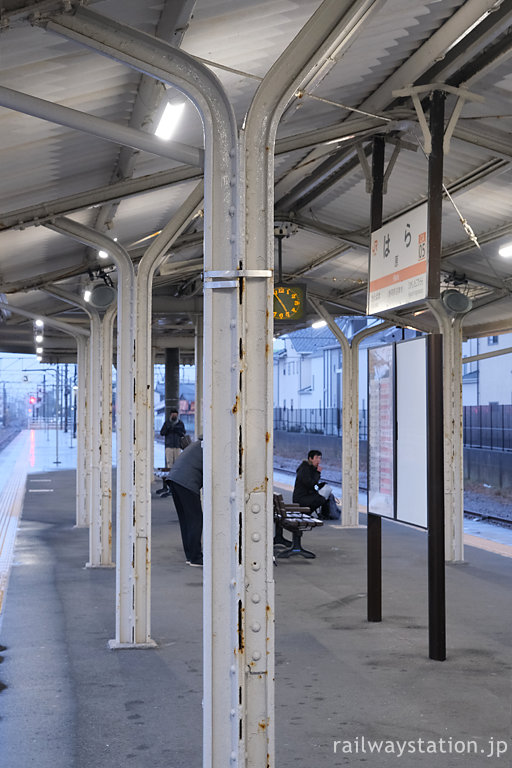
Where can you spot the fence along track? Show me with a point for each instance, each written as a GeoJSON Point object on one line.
{"type": "Point", "coordinates": [12, 493]}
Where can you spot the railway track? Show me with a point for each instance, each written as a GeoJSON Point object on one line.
{"type": "Point", "coordinates": [485, 517]}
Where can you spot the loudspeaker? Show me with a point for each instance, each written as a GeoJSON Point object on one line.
{"type": "Point", "coordinates": [102, 295]}
{"type": "Point", "coordinates": [455, 301]}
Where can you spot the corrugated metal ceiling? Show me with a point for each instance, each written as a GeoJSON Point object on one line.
{"type": "Point", "coordinates": [43, 164]}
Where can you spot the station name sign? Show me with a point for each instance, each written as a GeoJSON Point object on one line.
{"type": "Point", "coordinates": [398, 270]}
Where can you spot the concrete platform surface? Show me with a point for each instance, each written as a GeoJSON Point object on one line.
{"type": "Point", "coordinates": [348, 693]}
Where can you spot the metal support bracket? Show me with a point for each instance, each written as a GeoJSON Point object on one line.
{"type": "Point", "coordinates": [225, 275]}
{"type": "Point", "coordinates": [368, 171]}
{"type": "Point", "coordinates": [462, 94]}
{"type": "Point", "coordinates": [365, 166]}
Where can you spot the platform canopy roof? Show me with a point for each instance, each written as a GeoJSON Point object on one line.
{"type": "Point", "coordinates": [120, 187]}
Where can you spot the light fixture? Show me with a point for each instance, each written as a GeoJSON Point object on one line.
{"type": "Point", "coordinates": [103, 254]}
{"type": "Point", "coordinates": [39, 350]}
{"type": "Point", "coordinates": [87, 294]}
{"type": "Point", "coordinates": [319, 324]}
{"type": "Point", "coordinates": [169, 120]}
{"type": "Point", "coordinates": [39, 359]}
{"type": "Point", "coordinates": [506, 251]}
{"type": "Point", "coordinates": [39, 338]}
{"type": "Point", "coordinates": [39, 323]}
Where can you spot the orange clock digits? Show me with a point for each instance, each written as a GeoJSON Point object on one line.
{"type": "Point", "coordinates": [288, 302]}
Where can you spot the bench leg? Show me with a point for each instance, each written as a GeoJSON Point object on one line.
{"type": "Point", "coordinates": [279, 539]}
{"type": "Point", "coordinates": [297, 548]}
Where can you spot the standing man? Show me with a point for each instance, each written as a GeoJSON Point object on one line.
{"type": "Point", "coordinates": [172, 430]}
{"type": "Point", "coordinates": [186, 481]}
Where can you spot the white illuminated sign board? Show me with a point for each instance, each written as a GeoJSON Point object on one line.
{"type": "Point", "coordinates": [398, 262]}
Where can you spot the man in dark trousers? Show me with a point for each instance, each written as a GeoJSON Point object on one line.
{"type": "Point", "coordinates": [306, 482]}
{"type": "Point", "coordinates": [186, 481]}
{"type": "Point", "coordinates": [172, 430]}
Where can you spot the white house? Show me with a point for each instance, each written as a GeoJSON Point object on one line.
{"type": "Point", "coordinates": [308, 368]}
{"type": "Point", "coordinates": [489, 380]}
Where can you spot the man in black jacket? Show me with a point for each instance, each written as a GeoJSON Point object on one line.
{"type": "Point", "coordinates": [305, 492]}
{"type": "Point", "coordinates": [172, 430]}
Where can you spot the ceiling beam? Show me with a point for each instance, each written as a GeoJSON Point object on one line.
{"type": "Point", "coordinates": [97, 126]}
{"type": "Point", "coordinates": [173, 23]}
{"type": "Point", "coordinates": [39, 214]}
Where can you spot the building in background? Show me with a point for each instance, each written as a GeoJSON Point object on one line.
{"type": "Point", "coordinates": [488, 381]}
{"type": "Point", "coordinates": [308, 374]}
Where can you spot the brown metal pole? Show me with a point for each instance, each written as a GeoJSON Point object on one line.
{"type": "Point", "coordinates": [435, 430]}
{"type": "Point", "coordinates": [435, 502]}
{"type": "Point", "coordinates": [374, 524]}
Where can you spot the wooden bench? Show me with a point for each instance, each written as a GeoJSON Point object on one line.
{"type": "Point", "coordinates": [296, 520]}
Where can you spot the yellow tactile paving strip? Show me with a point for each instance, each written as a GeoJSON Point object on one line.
{"type": "Point", "coordinates": [12, 494]}
{"type": "Point", "coordinates": [491, 546]}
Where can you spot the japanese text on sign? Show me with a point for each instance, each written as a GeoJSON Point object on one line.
{"type": "Point", "coordinates": [398, 262]}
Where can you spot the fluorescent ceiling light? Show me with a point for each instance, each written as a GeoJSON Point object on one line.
{"type": "Point", "coordinates": [169, 120]}
{"type": "Point", "coordinates": [506, 251]}
{"type": "Point", "coordinates": [319, 324]}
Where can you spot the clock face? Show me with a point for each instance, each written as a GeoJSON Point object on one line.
{"type": "Point", "coordinates": [289, 302]}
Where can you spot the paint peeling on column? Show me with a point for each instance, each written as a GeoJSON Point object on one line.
{"type": "Point", "coordinates": [237, 403]}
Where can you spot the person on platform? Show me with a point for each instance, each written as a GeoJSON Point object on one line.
{"type": "Point", "coordinates": [186, 481]}
{"type": "Point", "coordinates": [173, 429]}
{"type": "Point", "coordinates": [310, 491]}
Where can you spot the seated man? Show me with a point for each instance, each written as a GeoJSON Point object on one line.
{"type": "Point", "coordinates": [307, 487]}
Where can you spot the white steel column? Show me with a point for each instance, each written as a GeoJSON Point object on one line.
{"type": "Point", "coordinates": [125, 494]}
{"type": "Point", "coordinates": [82, 519]}
{"type": "Point", "coordinates": [451, 329]}
{"type": "Point", "coordinates": [350, 422]}
{"type": "Point", "coordinates": [107, 329]}
{"type": "Point", "coordinates": [144, 414]}
{"type": "Point", "coordinates": [304, 63]}
{"type": "Point", "coordinates": [199, 362]}
{"type": "Point", "coordinates": [350, 412]}
{"type": "Point", "coordinates": [238, 719]}
{"type": "Point", "coordinates": [223, 580]}
{"type": "Point", "coordinates": [93, 491]}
